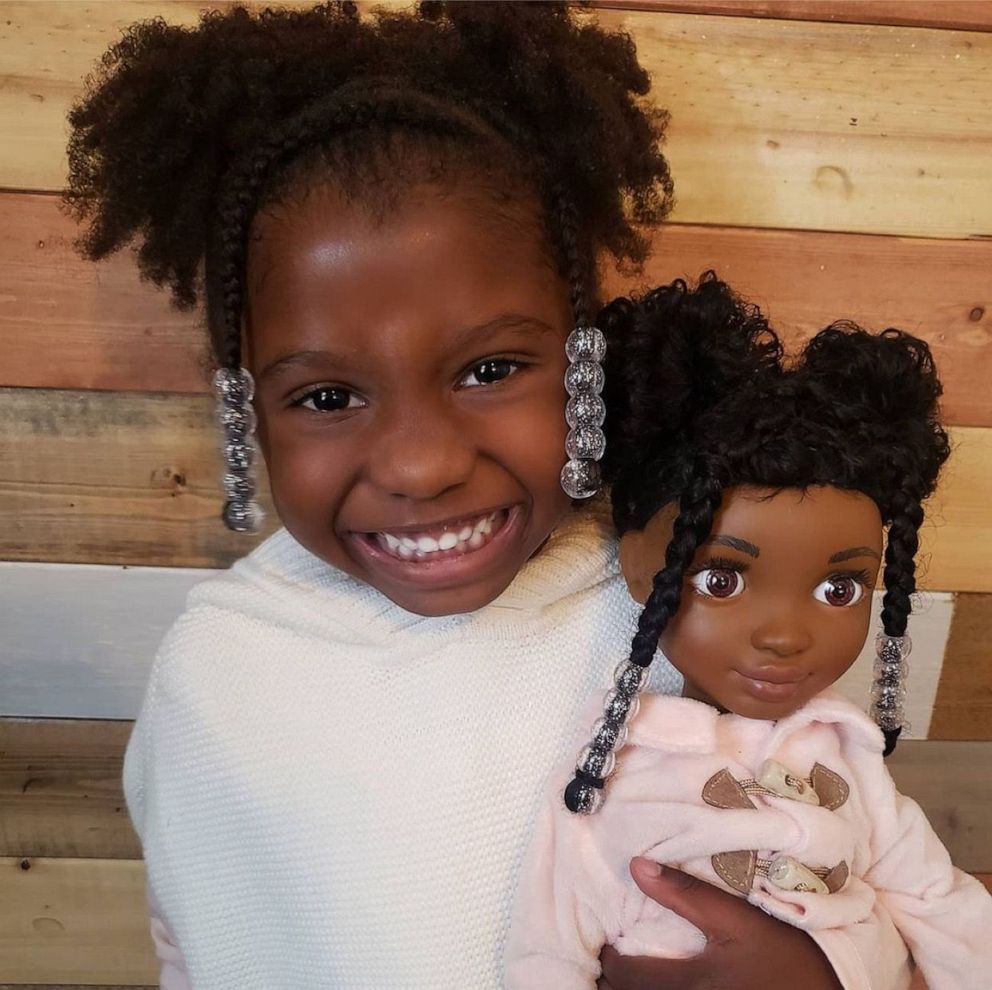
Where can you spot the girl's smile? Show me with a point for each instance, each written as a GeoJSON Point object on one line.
{"type": "Point", "coordinates": [410, 389]}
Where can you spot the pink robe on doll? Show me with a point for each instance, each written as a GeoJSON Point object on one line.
{"type": "Point", "coordinates": [891, 875]}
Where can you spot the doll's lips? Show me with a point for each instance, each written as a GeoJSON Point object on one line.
{"type": "Point", "coordinates": [772, 685]}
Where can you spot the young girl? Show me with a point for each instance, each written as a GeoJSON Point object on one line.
{"type": "Point", "coordinates": [751, 502]}
{"type": "Point", "coordinates": [393, 223]}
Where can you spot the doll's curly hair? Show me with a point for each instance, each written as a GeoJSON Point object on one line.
{"type": "Point", "coordinates": [182, 134]}
{"type": "Point", "coordinates": [700, 399]}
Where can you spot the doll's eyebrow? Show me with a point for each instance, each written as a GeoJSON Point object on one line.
{"type": "Point", "coordinates": [736, 543]}
{"type": "Point", "coordinates": [853, 552]}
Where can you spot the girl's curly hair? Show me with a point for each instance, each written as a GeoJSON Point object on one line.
{"type": "Point", "coordinates": [183, 134]}
{"type": "Point", "coordinates": [700, 399]}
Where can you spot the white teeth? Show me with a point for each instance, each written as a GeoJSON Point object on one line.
{"type": "Point", "coordinates": [469, 536]}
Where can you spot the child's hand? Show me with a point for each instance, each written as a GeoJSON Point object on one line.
{"type": "Point", "coordinates": [747, 948]}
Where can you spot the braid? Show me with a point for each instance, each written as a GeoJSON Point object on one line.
{"type": "Point", "coordinates": [698, 505]}
{"type": "Point", "coordinates": [900, 564]}
{"type": "Point", "coordinates": [577, 269]}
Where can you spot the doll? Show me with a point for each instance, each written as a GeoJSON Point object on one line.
{"type": "Point", "coordinates": [751, 497]}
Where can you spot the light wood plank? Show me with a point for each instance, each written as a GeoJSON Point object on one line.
{"type": "Point", "coordinates": [100, 477]}
{"type": "Point", "coordinates": [786, 124]}
{"type": "Point", "coordinates": [97, 477]}
{"type": "Point", "coordinates": [113, 332]}
{"type": "Point", "coordinates": [78, 920]}
{"type": "Point", "coordinates": [968, 15]}
{"type": "Point", "coordinates": [963, 705]}
{"type": "Point", "coordinates": [60, 788]}
{"type": "Point", "coordinates": [83, 920]}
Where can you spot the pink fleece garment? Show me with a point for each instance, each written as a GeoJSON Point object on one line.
{"type": "Point", "coordinates": [575, 894]}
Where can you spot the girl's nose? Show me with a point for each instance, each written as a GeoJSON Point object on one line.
{"type": "Point", "coordinates": [421, 455]}
{"type": "Point", "coordinates": [784, 635]}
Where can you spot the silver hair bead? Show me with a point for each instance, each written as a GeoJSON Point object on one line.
{"type": "Point", "coordinates": [888, 696]}
{"type": "Point", "coordinates": [585, 409]}
{"type": "Point", "coordinates": [890, 648]}
{"type": "Point", "coordinates": [242, 516]}
{"type": "Point", "coordinates": [890, 673]}
{"type": "Point", "coordinates": [597, 762]}
{"type": "Point", "coordinates": [585, 443]}
{"type": "Point", "coordinates": [234, 385]}
{"type": "Point", "coordinates": [629, 677]}
{"type": "Point", "coordinates": [584, 376]}
{"type": "Point", "coordinates": [620, 706]}
{"type": "Point", "coordinates": [238, 454]}
{"type": "Point", "coordinates": [581, 479]}
{"type": "Point", "coordinates": [586, 344]}
{"type": "Point", "coordinates": [237, 421]}
{"type": "Point", "coordinates": [588, 799]}
{"type": "Point", "coordinates": [608, 735]}
{"type": "Point", "coordinates": [237, 487]}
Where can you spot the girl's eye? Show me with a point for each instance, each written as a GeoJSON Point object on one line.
{"type": "Point", "coordinates": [329, 399]}
{"type": "Point", "coordinates": [489, 372]}
{"type": "Point", "coordinates": [718, 582]}
{"type": "Point", "coordinates": [839, 591]}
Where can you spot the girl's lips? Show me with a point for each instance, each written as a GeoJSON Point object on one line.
{"type": "Point", "coordinates": [443, 567]}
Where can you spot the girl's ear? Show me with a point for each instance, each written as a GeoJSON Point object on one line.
{"type": "Point", "coordinates": [632, 565]}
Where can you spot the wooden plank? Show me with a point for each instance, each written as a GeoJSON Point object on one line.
{"type": "Point", "coordinates": [963, 706]}
{"type": "Point", "coordinates": [966, 15]}
{"type": "Point", "coordinates": [786, 124]}
{"type": "Point", "coordinates": [93, 660]}
{"type": "Point", "coordinates": [60, 788]}
{"type": "Point", "coordinates": [83, 920]}
{"type": "Point", "coordinates": [74, 920]}
{"type": "Point", "coordinates": [113, 478]}
{"type": "Point", "coordinates": [65, 774]}
{"type": "Point", "coordinates": [113, 332]}
{"type": "Point", "coordinates": [101, 477]}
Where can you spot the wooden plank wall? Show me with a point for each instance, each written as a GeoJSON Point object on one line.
{"type": "Point", "coordinates": [831, 160]}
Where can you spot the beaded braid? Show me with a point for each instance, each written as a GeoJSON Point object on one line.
{"type": "Point", "coordinates": [892, 644]}
{"type": "Point", "coordinates": [698, 505]}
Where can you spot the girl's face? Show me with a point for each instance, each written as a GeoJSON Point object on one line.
{"type": "Point", "coordinates": [777, 602]}
{"type": "Point", "coordinates": [409, 391]}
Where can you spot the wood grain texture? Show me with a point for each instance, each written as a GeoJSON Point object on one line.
{"type": "Point", "coordinates": [60, 788]}
{"type": "Point", "coordinates": [72, 769]}
{"type": "Point", "coordinates": [102, 477]}
{"type": "Point", "coordinates": [963, 706]}
{"type": "Point", "coordinates": [113, 478]}
{"type": "Point", "coordinates": [74, 920]}
{"type": "Point", "coordinates": [111, 331]}
{"type": "Point", "coordinates": [790, 124]}
{"type": "Point", "coordinates": [968, 15]}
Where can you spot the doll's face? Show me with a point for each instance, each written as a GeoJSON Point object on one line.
{"type": "Point", "coordinates": [777, 602]}
{"type": "Point", "coordinates": [409, 391]}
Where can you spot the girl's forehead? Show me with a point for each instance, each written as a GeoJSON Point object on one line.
{"type": "Point", "coordinates": [319, 263]}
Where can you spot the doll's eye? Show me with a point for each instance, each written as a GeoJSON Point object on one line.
{"type": "Point", "coordinates": [841, 591]}
{"type": "Point", "coordinates": [718, 582]}
{"type": "Point", "coordinates": [489, 372]}
{"type": "Point", "coordinates": [329, 398]}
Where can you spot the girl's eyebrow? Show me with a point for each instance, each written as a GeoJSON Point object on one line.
{"type": "Point", "coordinates": [288, 361]}
{"type": "Point", "coordinates": [736, 543]}
{"type": "Point", "coordinates": [853, 552]}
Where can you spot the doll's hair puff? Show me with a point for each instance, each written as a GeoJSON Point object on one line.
{"type": "Point", "coordinates": [701, 399]}
{"type": "Point", "coordinates": [182, 133]}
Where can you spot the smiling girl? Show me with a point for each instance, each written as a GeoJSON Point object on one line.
{"type": "Point", "coordinates": [393, 224]}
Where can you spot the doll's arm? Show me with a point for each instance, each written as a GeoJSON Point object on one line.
{"type": "Point", "coordinates": [555, 937]}
{"type": "Point", "coordinates": [944, 915]}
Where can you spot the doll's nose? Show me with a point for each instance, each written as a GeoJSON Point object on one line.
{"type": "Point", "coordinates": [783, 635]}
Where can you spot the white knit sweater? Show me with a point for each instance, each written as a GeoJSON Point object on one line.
{"type": "Point", "coordinates": [332, 792]}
